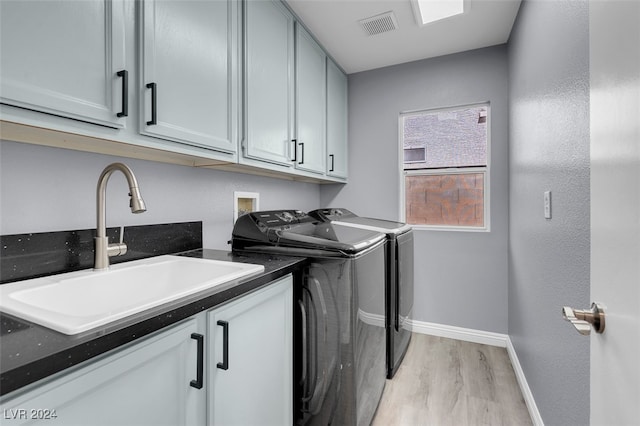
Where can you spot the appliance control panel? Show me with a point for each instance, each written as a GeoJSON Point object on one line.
{"type": "Point", "coordinates": [330, 214]}
{"type": "Point", "coordinates": [280, 219]}
{"type": "Point", "coordinates": [266, 226]}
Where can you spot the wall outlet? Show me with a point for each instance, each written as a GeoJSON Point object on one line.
{"type": "Point", "coordinates": [547, 204]}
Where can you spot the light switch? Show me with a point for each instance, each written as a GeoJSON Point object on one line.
{"type": "Point", "coordinates": [547, 204]}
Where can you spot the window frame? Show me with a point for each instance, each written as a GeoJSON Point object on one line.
{"type": "Point", "coordinates": [485, 170]}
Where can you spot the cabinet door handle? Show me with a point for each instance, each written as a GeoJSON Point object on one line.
{"type": "Point", "coordinates": [197, 383]}
{"type": "Point", "coordinates": [224, 365]}
{"type": "Point", "coordinates": [125, 93]}
{"type": "Point", "coordinates": [295, 150]}
{"type": "Point", "coordinates": [332, 162]}
{"type": "Point", "coordinates": [301, 144]}
{"type": "Point", "coordinates": [154, 103]}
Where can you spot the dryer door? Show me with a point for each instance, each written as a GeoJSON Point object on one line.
{"type": "Point", "coordinates": [321, 352]}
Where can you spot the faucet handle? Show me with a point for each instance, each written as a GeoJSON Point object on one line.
{"type": "Point", "coordinates": [116, 249]}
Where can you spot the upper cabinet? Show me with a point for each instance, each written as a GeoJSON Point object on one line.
{"type": "Point", "coordinates": [269, 69]}
{"type": "Point", "coordinates": [65, 58]}
{"type": "Point", "coordinates": [310, 103]}
{"type": "Point", "coordinates": [189, 72]}
{"type": "Point", "coordinates": [285, 83]}
{"type": "Point", "coordinates": [238, 85]}
{"type": "Point", "coordinates": [337, 121]}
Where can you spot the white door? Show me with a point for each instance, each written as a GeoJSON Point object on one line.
{"type": "Point", "coordinates": [615, 209]}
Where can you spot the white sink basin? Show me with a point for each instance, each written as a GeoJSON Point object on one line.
{"type": "Point", "coordinates": [79, 301]}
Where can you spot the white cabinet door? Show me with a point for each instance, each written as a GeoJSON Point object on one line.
{"type": "Point", "coordinates": [145, 384]}
{"type": "Point", "coordinates": [269, 68]}
{"type": "Point", "coordinates": [250, 374]}
{"type": "Point", "coordinates": [337, 121]}
{"type": "Point", "coordinates": [310, 103]}
{"type": "Point", "coordinates": [188, 73]}
{"type": "Point", "coordinates": [63, 58]}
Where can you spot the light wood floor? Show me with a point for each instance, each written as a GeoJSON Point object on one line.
{"type": "Point", "coordinates": [450, 382]}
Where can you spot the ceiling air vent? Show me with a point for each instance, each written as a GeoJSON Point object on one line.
{"type": "Point", "coordinates": [379, 23]}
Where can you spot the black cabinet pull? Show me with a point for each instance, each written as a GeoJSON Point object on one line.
{"type": "Point", "coordinates": [154, 103]}
{"type": "Point", "coordinates": [224, 365]}
{"type": "Point", "coordinates": [197, 383]}
{"type": "Point", "coordinates": [332, 162]}
{"type": "Point", "coordinates": [295, 150]}
{"type": "Point", "coordinates": [301, 144]}
{"type": "Point", "coordinates": [125, 93]}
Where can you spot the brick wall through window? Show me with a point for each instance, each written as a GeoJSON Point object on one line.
{"type": "Point", "coordinates": [445, 199]}
{"type": "Point", "coordinates": [446, 168]}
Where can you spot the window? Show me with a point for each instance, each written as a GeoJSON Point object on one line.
{"type": "Point", "coordinates": [415, 155]}
{"type": "Point", "coordinates": [445, 168]}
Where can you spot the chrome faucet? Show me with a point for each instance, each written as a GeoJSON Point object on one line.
{"type": "Point", "coordinates": [103, 249]}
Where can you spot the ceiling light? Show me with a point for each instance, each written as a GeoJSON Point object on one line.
{"type": "Point", "coordinates": [427, 11]}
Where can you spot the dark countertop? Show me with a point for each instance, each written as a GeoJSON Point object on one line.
{"type": "Point", "coordinates": [30, 352]}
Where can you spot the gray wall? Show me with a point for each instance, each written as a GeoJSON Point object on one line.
{"type": "Point", "coordinates": [52, 189]}
{"type": "Point", "coordinates": [549, 150]}
{"type": "Point", "coordinates": [461, 277]}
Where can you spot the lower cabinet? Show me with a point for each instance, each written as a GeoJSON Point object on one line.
{"type": "Point", "coordinates": [145, 384]}
{"type": "Point", "coordinates": [250, 359]}
{"type": "Point", "coordinates": [231, 365]}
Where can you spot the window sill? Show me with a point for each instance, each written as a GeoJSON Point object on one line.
{"type": "Point", "coordinates": [449, 228]}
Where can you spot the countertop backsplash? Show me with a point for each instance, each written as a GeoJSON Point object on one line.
{"type": "Point", "coordinates": [25, 256]}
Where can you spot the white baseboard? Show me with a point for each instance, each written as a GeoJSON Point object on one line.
{"type": "Point", "coordinates": [459, 333]}
{"type": "Point", "coordinates": [524, 386]}
{"type": "Point", "coordinates": [485, 338]}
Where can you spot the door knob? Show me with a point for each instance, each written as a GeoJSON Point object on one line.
{"type": "Point", "coordinates": [583, 319]}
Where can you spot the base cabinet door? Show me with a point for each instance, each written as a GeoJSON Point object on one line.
{"type": "Point", "coordinates": [148, 383]}
{"type": "Point", "coordinates": [250, 352]}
